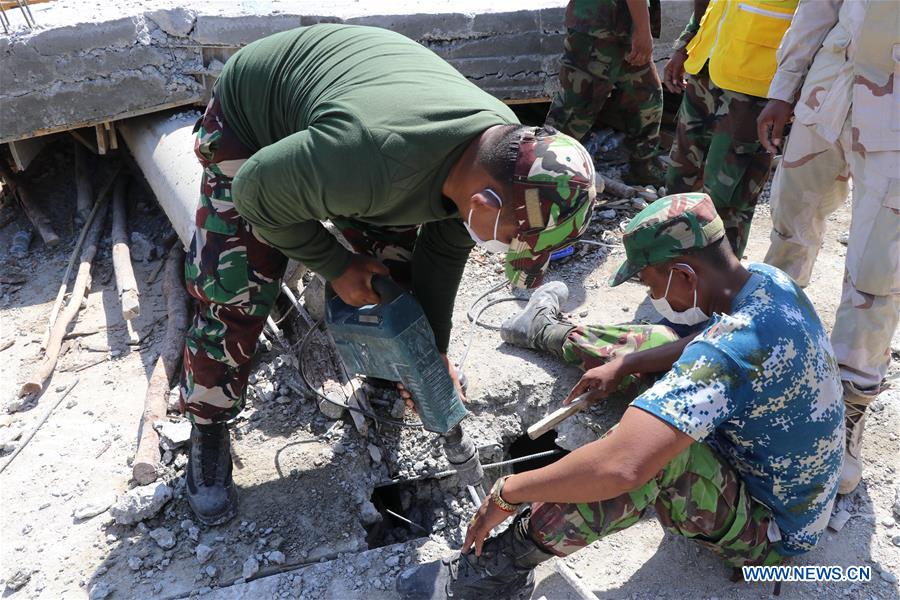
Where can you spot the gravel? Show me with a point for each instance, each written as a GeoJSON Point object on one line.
{"type": "Point", "coordinates": [250, 567]}
{"type": "Point", "coordinates": [203, 553]}
{"type": "Point", "coordinates": [163, 537]}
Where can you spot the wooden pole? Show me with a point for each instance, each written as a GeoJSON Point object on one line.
{"type": "Point", "coordinates": [38, 218]}
{"type": "Point", "coordinates": [147, 458]}
{"type": "Point", "coordinates": [121, 255]}
{"type": "Point", "coordinates": [35, 383]}
{"type": "Point", "coordinates": [61, 293]}
{"type": "Point", "coordinates": [83, 188]}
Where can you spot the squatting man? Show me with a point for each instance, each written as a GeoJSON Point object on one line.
{"type": "Point", "coordinates": [737, 446]}
{"type": "Point", "coordinates": [305, 126]}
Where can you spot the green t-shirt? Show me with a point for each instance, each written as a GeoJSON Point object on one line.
{"type": "Point", "coordinates": [361, 123]}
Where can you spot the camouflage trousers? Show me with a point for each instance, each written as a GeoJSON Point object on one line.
{"type": "Point", "coordinates": [234, 277]}
{"type": "Point", "coordinates": [716, 150]}
{"type": "Point", "coordinates": [589, 346]}
{"type": "Point", "coordinates": [697, 495]}
{"type": "Point", "coordinates": [597, 83]}
{"type": "Point", "coordinates": [810, 184]}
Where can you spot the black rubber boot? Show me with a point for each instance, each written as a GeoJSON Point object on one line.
{"type": "Point", "coordinates": [539, 326]}
{"type": "Point", "coordinates": [646, 172]}
{"type": "Point", "coordinates": [503, 571]}
{"type": "Point", "coordinates": [210, 489]}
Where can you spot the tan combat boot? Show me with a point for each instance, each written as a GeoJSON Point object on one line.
{"type": "Point", "coordinates": [856, 401]}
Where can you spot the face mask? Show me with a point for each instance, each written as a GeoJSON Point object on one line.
{"type": "Point", "coordinates": [691, 316]}
{"type": "Point", "coordinates": [494, 245]}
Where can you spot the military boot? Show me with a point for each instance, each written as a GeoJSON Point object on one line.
{"type": "Point", "coordinates": [856, 401]}
{"type": "Point", "coordinates": [210, 489]}
{"type": "Point", "coordinates": [648, 171]}
{"type": "Point", "coordinates": [504, 570]}
{"type": "Point", "coordinates": [539, 326]}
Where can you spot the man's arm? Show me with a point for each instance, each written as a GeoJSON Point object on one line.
{"type": "Point", "coordinates": [605, 379]}
{"type": "Point", "coordinates": [638, 448]}
{"type": "Point", "coordinates": [702, 390]}
{"type": "Point", "coordinates": [693, 25]}
{"type": "Point", "coordinates": [641, 38]}
{"type": "Point", "coordinates": [673, 74]}
{"type": "Point", "coordinates": [438, 262]}
{"type": "Point", "coordinates": [812, 21]}
{"type": "Point", "coordinates": [627, 458]}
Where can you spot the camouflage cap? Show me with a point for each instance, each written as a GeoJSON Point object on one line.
{"type": "Point", "coordinates": [665, 229]}
{"type": "Point", "coordinates": [553, 195]}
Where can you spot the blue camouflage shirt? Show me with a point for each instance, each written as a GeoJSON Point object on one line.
{"type": "Point", "coordinates": [761, 387]}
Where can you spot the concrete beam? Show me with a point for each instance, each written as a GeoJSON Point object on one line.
{"type": "Point", "coordinates": [163, 147]}
{"type": "Point", "coordinates": [92, 65]}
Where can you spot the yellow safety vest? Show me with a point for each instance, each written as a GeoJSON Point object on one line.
{"type": "Point", "coordinates": [739, 39]}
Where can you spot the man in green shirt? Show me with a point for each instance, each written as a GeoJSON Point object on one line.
{"type": "Point", "coordinates": [412, 162]}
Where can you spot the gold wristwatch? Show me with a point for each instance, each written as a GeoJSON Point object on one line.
{"type": "Point", "coordinates": [497, 498]}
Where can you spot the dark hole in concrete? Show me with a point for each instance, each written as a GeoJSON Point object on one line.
{"type": "Point", "coordinates": [525, 446]}
{"type": "Point", "coordinates": [419, 502]}
{"type": "Point", "coordinates": [436, 505]}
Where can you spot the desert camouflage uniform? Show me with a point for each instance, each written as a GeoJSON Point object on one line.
{"type": "Point", "coordinates": [847, 125]}
{"type": "Point", "coordinates": [234, 277]}
{"type": "Point", "coordinates": [595, 79]}
{"type": "Point", "coordinates": [716, 151]}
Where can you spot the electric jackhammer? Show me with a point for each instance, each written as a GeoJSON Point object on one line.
{"type": "Point", "coordinates": [392, 340]}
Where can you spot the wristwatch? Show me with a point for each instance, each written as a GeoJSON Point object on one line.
{"type": "Point", "coordinates": [497, 498]}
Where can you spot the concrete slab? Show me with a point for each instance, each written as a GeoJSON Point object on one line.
{"type": "Point", "coordinates": [89, 63]}
{"type": "Point", "coordinates": [373, 574]}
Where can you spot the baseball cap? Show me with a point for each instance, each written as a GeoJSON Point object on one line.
{"type": "Point", "coordinates": [553, 194]}
{"type": "Point", "coordinates": [666, 229]}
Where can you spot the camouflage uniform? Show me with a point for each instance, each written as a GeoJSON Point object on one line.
{"type": "Point", "coordinates": [847, 122]}
{"type": "Point", "coordinates": [710, 492]}
{"type": "Point", "coordinates": [594, 69]}
{"type": "Point", "coordinates": [716, 150]}
{"type": "Point", "coordinates": [697, 495]}
{"type": "Point", "coordinates": [589, 346]}
{"type": "Point", "coordinates": [234, 277]}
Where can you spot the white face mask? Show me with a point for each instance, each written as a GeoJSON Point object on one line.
{"type": "Point", "coordinates": [494, 245]}
{"type": "Point", "coordinates": [691, 316]}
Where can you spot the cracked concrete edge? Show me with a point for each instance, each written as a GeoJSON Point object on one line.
{"type": "Point", "coordinates": [553, 579]}
{"type": "Point", "coordinates": [330, 578]}
{"type": "Point", "coordinates": [75, 71]}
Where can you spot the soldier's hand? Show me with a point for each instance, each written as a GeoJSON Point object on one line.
{"type": "Point", "coordinates": [489, 515]}
{"type": "Point", "coordinates": [354, 286]}
{"type": "Point", "coordinates": [770, 124]}
{"type": "Point", "coordinates": [599, 382]}
{"type": "Point", "coordinates": [641, 48]}
{"type": "Point", "coordinates": [407, 396]}
{"type": "Point", "coordinates": [673, 74]}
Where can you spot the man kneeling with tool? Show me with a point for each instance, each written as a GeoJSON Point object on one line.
{"type": "Point", "coordinates": [409, 160]}
{"type": "Point", "coordinates": [737, 446]}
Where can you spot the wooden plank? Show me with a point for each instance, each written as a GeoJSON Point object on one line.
{"type": "Point", "coordinates": [101, 138]}
{"type": "Point", "coordinates": [194, 100]}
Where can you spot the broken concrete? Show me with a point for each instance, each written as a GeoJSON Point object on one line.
{"type": "Point", "coordinates": [87, 65]}
{"type": "Point", "coordinates": [140, 503]}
